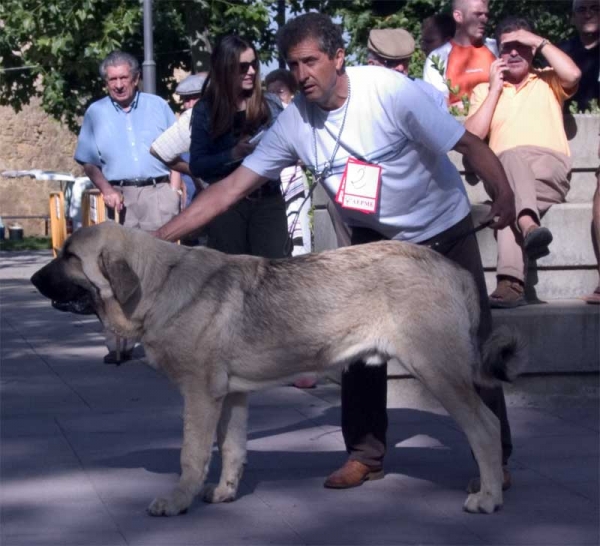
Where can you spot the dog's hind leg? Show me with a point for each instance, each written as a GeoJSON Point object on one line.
{"type": "Point", "coordinates": [201, 414]}
{"type": "Point", "coordinates": [443, 365]}
{"type": "Point", "coordinates": [482, 428]}
{"type": "Point", "coordinates": [231, 439]}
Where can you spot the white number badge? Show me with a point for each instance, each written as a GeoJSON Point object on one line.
{"type": "Point", "coordinates": [359, 188]}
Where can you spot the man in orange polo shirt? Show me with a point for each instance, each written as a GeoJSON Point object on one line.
{"type": "Point", "coordinates": [467, 57]}
{"type": "Point", "coordinates": [521, 112]}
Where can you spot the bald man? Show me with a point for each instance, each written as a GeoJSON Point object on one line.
{"type": "Point", "coordinates": [467, 57]}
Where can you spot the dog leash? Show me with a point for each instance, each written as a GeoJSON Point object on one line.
{"type": "Point", "coordinates": [438, 244]}
{"type": "Point", "coordinates": [289, 243]}
{"type": "Point", "coordinates": [434, 246]}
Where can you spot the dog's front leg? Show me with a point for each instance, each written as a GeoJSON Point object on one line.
{"type": "Point", "coordinates": [231, 438]}
{"type": "Point", "coordinates": [201, 414]}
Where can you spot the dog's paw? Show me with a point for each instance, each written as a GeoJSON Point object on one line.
{"type": "Point", "coordinates": [166, 507]}
{"type": "Point", "coordinates": [480, 503]}
{"type": "Point", "coordinates": [215, 493]}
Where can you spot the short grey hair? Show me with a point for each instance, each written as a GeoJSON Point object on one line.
{"type": "Point", "coordinates": [118, 58]}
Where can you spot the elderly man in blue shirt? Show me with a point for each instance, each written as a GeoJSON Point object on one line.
{"type": "Point", "coordinates": [114, 149]}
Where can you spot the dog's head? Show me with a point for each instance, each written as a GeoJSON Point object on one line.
{"type": "Point", "coordinates": [92, 274]}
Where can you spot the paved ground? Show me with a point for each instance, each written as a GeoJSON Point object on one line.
{"type": "Point", "coordinates": [85, 447]}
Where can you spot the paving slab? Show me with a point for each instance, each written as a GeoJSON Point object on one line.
{"type": "Point", "coordinates": [85, 447]}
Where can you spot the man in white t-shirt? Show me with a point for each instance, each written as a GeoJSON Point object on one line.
{"type": "Point", "coordinates": [370, 118]}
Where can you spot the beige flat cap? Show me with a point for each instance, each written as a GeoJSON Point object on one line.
{"type": "Point", "coordinates": [391, 43]}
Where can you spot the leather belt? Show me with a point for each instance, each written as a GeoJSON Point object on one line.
{"type": "Point", "coordinates": [139, 182]}
{"type": "Point", "coordinates": [266, 190]}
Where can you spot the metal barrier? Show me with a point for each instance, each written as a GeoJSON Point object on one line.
{"type": "Point", "coordinates": [58, 220]}
{"type": "Point", "coordinates": [93, 210]}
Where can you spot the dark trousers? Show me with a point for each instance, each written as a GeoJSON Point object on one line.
{"type": "Point", "coordinates": [252, 226]}
{"type": "Point", "coordinates": [364, 388]}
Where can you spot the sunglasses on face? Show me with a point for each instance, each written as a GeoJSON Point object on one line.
{"type": "Point", "coordinates": [245, 66]}
{"type": "Point", "coordinates": [507, 47]}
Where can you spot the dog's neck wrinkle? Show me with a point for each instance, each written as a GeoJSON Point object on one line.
{"type": "Point", "coordinates": [154, 269]}
{"type": "Point", "coordinates": [197, 280]}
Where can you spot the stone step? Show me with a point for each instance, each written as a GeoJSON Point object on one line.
{"type": "Point", "coordinates": [583, 185]}
{"type": "Point", "coordinates": [563, 336]}
{"type": "Point", "coordinates": [570, 270]}
{"type": "Point", "coordinates": [563, 344]}
{"type": "Point", "coordinates": [545, 285]}
{"type": "Point", "coordinates": [563, 348]}
{"type": "Point", "coordinates": [570, 225]}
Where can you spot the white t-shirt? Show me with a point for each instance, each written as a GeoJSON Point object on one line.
{"type": "Point", "coordinates": [391, 123]}
{"type": "Point", "coordinates": [438, 97]}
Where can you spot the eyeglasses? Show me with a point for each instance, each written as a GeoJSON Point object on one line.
{"type": "Point", "coordinates": [245, 66]}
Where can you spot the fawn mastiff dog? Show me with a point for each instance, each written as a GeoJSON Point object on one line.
{"type": "Point", "coordinates": [221, 326]}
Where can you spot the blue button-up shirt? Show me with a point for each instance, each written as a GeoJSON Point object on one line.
{"type": "Point", "coordinates": [118, 142]}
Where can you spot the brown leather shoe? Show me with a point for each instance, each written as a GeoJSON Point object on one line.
{"type": "Point", "coordinates": [475, 484]}
{"type": "Point", "coordinates": [352, 474]}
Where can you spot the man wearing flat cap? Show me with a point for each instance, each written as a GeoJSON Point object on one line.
{"type": "Point", "coordinates": [393, 48]}
{"type": "Point", "coordinates": [172, 147]}
{"type": "Point", "coordinates": [190, 89]}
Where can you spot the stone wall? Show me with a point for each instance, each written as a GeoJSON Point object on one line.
{"type": "Point", "coordinates": [30, 139]}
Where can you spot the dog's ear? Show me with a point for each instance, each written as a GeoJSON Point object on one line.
{"type": "Point", "coordinates": [123, 280]}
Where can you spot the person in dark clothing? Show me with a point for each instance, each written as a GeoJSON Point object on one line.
{"type": "Point", "coordinates": [231, 112]}
{"type": "Point", "coordinates": [585, 51]}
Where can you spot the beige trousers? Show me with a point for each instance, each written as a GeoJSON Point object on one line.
{"type": "Point", "coordinates": [146, 208]}
{"type": "Point", "coordinates": [539, 179]}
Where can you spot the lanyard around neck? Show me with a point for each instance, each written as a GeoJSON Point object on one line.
{"type": "Point", "coordinates": [324, 173]}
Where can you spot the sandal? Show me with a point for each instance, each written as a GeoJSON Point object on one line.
{"type": "Point", "coordinates": [594, 297]}
{"type": "Point", "coordinates": [536, 242]}
{"type": "Point", "coordinates": [508, 294]}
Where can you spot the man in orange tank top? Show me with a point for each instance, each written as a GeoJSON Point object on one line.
{"type": "Point", "coordinates": [465, 60]}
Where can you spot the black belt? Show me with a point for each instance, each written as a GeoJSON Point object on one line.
{"type": "Point", "coordinates": [139, 182]}
{"type": "Point", "coordinates": [266, 190]}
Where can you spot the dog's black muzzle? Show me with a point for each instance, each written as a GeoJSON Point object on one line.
{"type": "Point", "coordinates": [65, 295]}
{"type": "Point", "coordinates": [82, 306]}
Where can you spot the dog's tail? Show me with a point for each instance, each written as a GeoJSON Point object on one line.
{"type": "Point", "coordinates": [503, 356]}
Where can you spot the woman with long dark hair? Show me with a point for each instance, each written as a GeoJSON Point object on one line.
{"type": "Point", "coordinates": [232, 110]}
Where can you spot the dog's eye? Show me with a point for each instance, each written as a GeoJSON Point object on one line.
{"type": "Point", "coordinates": [67, 254]}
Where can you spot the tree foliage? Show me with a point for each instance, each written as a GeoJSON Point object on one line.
{"type": "Point", "coordinates": [51, 48]}
{"type": "Point", "coordinates": [550, 18]}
